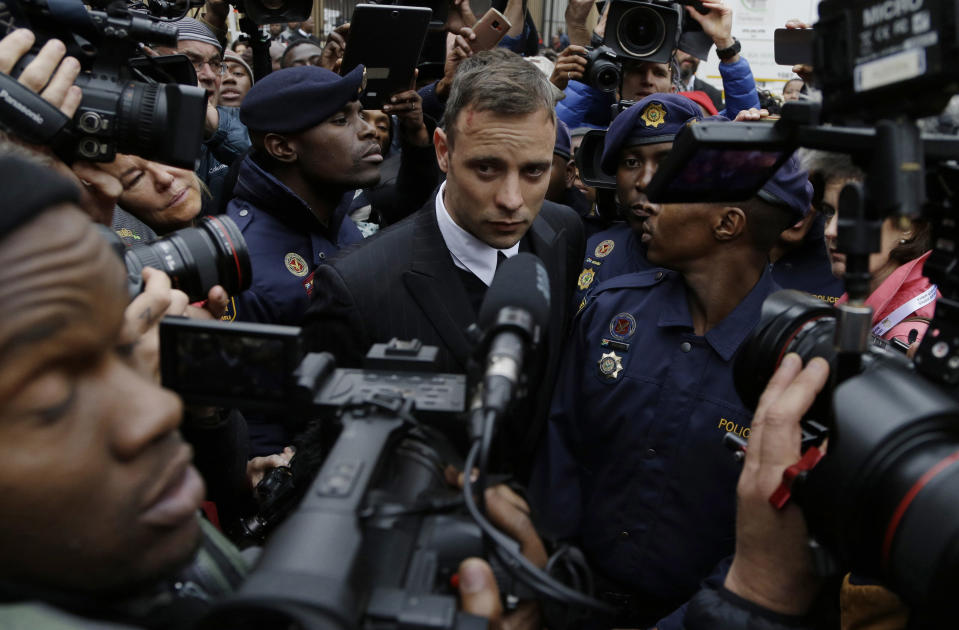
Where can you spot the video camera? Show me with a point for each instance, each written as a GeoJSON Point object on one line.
{"type": "Point", "coordinates": [378, 534]}
{"type": "Point", "coordinates": [882, 501]}
{"type": "Point", "coordinates": [131, 103]}
{"type": "Point", "coordinates": [643, 30]}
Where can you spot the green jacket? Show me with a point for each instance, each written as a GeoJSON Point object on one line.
{"type": "Point", "coordinates": [216, 571]}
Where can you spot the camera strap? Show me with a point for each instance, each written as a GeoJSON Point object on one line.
{"type": "Point", "coordinates": [780, 497]}
{"type": "Point", "coordinates": [901, 313]}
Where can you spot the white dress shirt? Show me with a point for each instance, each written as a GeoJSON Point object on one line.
{"type": "Point", "coordinates": [469, 253]}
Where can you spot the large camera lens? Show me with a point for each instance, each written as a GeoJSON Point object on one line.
{"type": "Point", "coordinates": [197, 258]}
{"type": "Point", "coordinates": [161, 122]}
{"type": "Point", "coordinates": [791, 321]}
{"type": "Point", "coordinates": [884, 497]}
{"type": "Point", "coordinates": [603, 75]}
{"type": "Point", "coordinates": [641, 31]}
{"type": "Point", "coordinates": [602, 70]}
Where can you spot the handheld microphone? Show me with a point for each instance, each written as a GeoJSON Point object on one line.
{"type": "Point", "coordinates": [515, 317]}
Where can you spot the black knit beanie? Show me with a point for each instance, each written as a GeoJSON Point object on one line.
{"type": "Point", "coordinates": [28, 189]}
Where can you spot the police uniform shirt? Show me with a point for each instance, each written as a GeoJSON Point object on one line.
{"type": "Point", "coordinates": [286, 242]}
{"type": "Point", "coordinates": [634, 466]}
{"type": "Point", "coordinates": [610, 253]}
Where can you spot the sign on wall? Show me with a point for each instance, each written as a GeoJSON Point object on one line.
{"type": "Point", "coordinates": [754, 22]}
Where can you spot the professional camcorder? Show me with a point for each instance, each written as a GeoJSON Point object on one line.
{"type": "Point", "coordinates": [147, 106]}
{"type": "Point", "coordinates": [882, 501]}
{"type": "Point", "coordinates": [643, 30]}
{"type": "Point", "coordinates": [374, 538]}
{"type": "Point", "coordinates": [195, 258]}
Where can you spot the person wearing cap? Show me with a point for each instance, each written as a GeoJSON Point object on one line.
{"type": "Point", "coordinates": [562, 184]}
{"type": "Point", "coordinates": [311, 150]}
{"type": "Point", "coordinates": [236, 82]}
{"type": "Point", "coordinates": [800, 259]}
{"type": "Point", "coordinates": [225, 138]}
{"type": "Point", "coordinates": [105, 454]}
{"type": "Point", "coordinates": [636, 142]}
{"type": "Point", "coordinates": [304, 51]}
{"type": "Point", "coordinates": [100, 518]}
{"type": "Point", "coordinates": [633, 466]}
{"type": "Point", "coordinates": [559, 177]}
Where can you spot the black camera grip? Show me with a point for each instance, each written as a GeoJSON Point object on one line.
{"type": "Point", "coordinates": [26, 114]}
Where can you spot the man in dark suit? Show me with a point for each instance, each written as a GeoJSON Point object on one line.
{"type": "Point", "coordinates": [426, 276]}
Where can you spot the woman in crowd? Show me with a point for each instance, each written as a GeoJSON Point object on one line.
{"type": "Point", "coordinates": [902, 298]}
{"type": "Point", "coordinates": [164, 197]}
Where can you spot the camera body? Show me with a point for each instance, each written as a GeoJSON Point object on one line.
{"type": "Point", "coordinates": [603, 71]}
{"type": "Point", "coordinates": [127, 107]}
{"type": "Point", "coordinates": [644, 30]}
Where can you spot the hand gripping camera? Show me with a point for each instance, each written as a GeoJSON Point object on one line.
{"type": "Point", "coordinates": [131, 104]}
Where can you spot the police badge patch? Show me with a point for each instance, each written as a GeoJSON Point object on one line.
{"type": "Point", "coordinates": [585, 279]}
{"type": "Point", "coordinates": [296, 264]}
{"type": "Point", "coordinates": [604, 249]}
{"type": "Point", "coordinates": [622, 327]}
{"type": "Point", "coordinates": [654, 115]}
{"type": "Point", "coordinates": [610, 365]}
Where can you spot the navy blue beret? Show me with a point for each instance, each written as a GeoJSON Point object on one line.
{"type": "Point", "coordinates": [564, 143]}
{"type": "Point", "coordinates": [790, 188]}
{"type": "Point", "coordinates": [656, 118]}
{"type": "Point", "coordinates": [294, 99]}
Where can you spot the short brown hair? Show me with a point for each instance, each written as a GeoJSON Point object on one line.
{"type": "Point", "coordinates": [500, 82]}
{"type": "Point", "coordinates": [918, 244]}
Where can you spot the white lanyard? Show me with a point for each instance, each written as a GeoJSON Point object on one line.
{"type": "Point", "coordinates": [903, 311]}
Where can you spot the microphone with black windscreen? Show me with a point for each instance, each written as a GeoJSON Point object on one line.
{"type": "Point", "coordinates": [514, 317]}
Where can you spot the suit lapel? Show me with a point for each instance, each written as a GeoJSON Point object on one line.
{"type": "Point", "coordinates": [543, 242]}
{"type": "Point", "coordinates": [437, 289]}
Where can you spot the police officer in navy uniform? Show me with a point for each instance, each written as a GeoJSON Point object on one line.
{"type": "Point", "coordinates": [633, 467]}
{"type": "Point", "coordinates": [800, 260]}
{"type": "Point", "coordinates": [650, 127]}
{"type": "Point", "coordinates": [312, 149]}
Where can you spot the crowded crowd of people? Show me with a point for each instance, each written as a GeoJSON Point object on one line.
{"type": "Point", "coordinates": [368, 225]}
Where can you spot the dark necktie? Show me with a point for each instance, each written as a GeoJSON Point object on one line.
{"type": "Point", "coordinates": [500, 259]}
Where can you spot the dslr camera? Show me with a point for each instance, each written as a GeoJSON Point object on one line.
{"type": "Point", "coordinates": [642, 30]}
{"type": "Point", "coordinates": [647, 30]}
{"type": "Point", "coordinates": [147, 106]}
{"type": "Point", "coordinates": [195, 258]}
